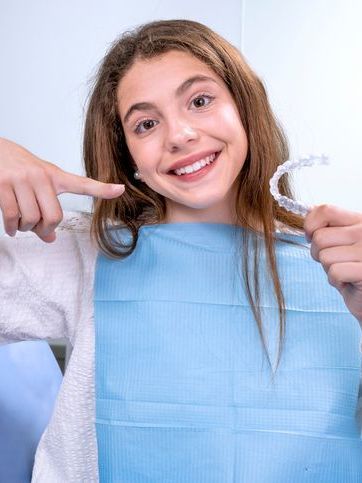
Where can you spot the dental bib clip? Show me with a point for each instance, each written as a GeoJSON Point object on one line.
{"type": "Point", "coordinates": [288, 204]}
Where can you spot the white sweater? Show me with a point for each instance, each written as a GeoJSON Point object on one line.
{"type": "Point", "coordinates": [46, 291]}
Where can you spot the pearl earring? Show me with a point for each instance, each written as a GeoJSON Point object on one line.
{"type": "Point", "coordinates": [137, 175]}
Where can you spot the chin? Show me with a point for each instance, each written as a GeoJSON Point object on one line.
{"type": "Point", "coordinates": [197, 205]}
{"type": "Point", "coordinates": [203, 202]}
{"type": "Point", "coordinates": [206, 203]}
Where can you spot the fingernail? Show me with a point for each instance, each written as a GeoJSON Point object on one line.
{"type": "Point", "coordinates": [118, 188]}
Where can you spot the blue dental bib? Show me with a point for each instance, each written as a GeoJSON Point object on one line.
{"type": "Point", "coordinates": [184, 392]}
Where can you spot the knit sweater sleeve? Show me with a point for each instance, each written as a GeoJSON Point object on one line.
{"type": "Point", "coordinates": [44, 286]}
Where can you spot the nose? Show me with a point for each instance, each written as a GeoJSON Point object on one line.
{"type": "Point", "coordinates": [180, 133]}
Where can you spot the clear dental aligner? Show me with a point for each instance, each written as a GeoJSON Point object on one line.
{"type": "Point", "coordinates": [283, 201]}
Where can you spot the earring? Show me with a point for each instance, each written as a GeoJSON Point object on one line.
{"type": "Point", "coordinates": [137, 175]}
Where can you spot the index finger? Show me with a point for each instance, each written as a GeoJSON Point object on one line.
{"type": "Point", "coordinates": [81, 185]}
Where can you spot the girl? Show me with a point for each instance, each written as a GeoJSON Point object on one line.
{"type": "Point", "coordinates": [221, 352]}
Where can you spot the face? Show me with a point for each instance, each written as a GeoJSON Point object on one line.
{"type": "Point", "coordinates": [184, 134]}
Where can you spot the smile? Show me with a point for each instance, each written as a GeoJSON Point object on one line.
{"type": "Point", "coordinates": [192, 168]}
{"type": "Point", "coordinates": [198, 170]}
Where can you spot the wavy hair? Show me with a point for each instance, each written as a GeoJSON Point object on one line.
{"type": "Point", "coordinates": [107, 158]}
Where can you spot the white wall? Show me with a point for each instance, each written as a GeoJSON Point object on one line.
{"type": "Point", "coordinates": [49, 51]}
{"type": "Point", "coordinates": [308, 53]}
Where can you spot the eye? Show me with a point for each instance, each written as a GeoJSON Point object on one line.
{"type": "Point", "coordinates": [202, 100]}
{"type": "Point", "coordinates": [145, 125]}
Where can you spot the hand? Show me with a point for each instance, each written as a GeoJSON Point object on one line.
{"type": "Point", "coordinates": [29, 187]}
{"type": "Point", "coordinates": [336, 237]}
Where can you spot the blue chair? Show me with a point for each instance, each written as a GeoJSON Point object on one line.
{"type": "Point", "coordinates": [29, 382]}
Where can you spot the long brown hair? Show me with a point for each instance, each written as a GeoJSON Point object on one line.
{"type": "Point", "coordinates": [107, 158]}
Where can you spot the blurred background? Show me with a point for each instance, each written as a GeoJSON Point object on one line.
{"type": "Point", "coordinates": [309, 55]}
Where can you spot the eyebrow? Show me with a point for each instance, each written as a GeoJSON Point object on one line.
{"type": "Point", "coordinates": [147, 106]}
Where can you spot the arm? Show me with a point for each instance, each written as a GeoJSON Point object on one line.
{"type": "Point", "coordinates": [41, 284]}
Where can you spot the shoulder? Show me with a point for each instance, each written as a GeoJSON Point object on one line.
{"type": "Point", "coordinates": [76, 222]}
{"type": "Point", "coordinates": [72, 222]}
{"type": "Point", "coordinates": [73, 245]}
{"type": "Point", "coordinates": [304, 281]}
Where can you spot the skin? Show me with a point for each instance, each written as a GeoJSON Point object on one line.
{"type": "Point", "coordinates": [336, 242]}
{"type": "Point", "coordinates": [203, 117]}
{"type": "Point", "coordinates": [29, 186]}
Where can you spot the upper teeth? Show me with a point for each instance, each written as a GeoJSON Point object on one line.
{"type": "Point", "coordinates": [196, 166]}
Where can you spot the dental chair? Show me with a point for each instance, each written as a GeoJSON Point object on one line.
{"type": "Point", "coordinates": [29, 382]}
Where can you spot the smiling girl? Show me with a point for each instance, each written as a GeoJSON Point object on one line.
{"type": "Point", "coordinates": [187, 140]}
{"type": "Point", "coordinates": [208, 345]}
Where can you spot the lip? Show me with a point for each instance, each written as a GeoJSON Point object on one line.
{"type": "Point", "coordinates": [181, 163]}
{"type": "Point", "coordinates": [197, 175]}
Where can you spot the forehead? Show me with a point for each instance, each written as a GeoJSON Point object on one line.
{"type": "Point", "coordinates": [159, 74]}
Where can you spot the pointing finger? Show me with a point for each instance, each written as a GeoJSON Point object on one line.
{"type": "Point", "coordinates": [72, 183]}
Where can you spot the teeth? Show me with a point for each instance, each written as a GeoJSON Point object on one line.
{"type": "Point", "coordinates": [195, 166]}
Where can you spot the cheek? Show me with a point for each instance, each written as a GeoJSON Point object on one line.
{"type": "Point", "coordinates": [228, 122]}
{"type": "Point", "coordinates": [143, 153]}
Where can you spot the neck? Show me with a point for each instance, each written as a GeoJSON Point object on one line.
{"type": "Point", "coordinates": [177, 213]}
{"type": "Point", "coordinates": [219, 213]}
